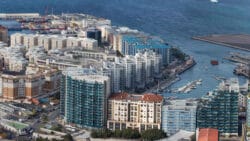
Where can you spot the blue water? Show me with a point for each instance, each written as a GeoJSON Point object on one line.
{"type": "Point", "coordinates": [176, 21]}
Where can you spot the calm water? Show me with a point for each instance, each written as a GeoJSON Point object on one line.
{"type": "Point", "coordinates": [176, 21]}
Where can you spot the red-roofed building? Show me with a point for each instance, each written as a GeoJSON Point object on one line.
{"type": "Point", "coordinates": [3, 34]}
{"type": "Point", "coordinates": [139, 112]}
{"type": "Point", "coordinates": [208, 134]}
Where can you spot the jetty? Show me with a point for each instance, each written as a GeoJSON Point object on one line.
{"type": "Point", "coordinates": [237, 41]}
{"type": "Point", "coordinates": [15, 16]}
{"type": "Point", "coordinates": [188, 87]}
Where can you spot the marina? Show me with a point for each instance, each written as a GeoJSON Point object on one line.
{"type": "Point", "coordinates": [188, 87]}
{"type": "Point", "coordinates": [238, 58]}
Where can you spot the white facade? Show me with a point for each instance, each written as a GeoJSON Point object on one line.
{"type": "Point", "coordinates": [130, 72]}
{"type": "Point", "coordinates": [35, 53]}
{"type": "Point", "coordinates": [58, 42]}
{"type": "Point", "coordinates": [13, 58]}
{"type": "Point", "coordinates": [30, 40]}
{"type": "Point", "coordinates": [116, 73]}
{"type": "Point", "coordinates": [73, 42]}
{"type": "Point", "coordinates": [242, 100]}
{"type": "Point", "coordinates": [88, 43]}
{"type": "Point", "coordinates": [45, 41]}
{"type": "Point", "coordinates": [16, 39]}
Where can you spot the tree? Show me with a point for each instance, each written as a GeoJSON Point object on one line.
{"type": "Point", "coordinates": [177, 53]}
{"type": "Point", "coordinates": [130, 133]}
{"type": "Point", "coordinates": [68, 137]}
{"type": "Point", "coordinates": [153, 134]}
{"type": "Point", "coordinates": [101, 133]}
{"type": "Point", "coordinates": [45, 118]}
{"type": "Point", "coordinates": [117, 133]}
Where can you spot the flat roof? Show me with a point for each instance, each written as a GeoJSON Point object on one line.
{"type": "Point", "coordinates": [149, 97]}
{"type": "Point", "coordinates": [208, 134]}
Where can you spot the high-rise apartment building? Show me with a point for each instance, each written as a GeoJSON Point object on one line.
{"type": "Point", "coordinates": [179, 115]}
{"type": "Point", "coordinates": [248, 111]}
{"type": "Point", "coordinates": [219, 109]}
{"type": "Point", "coordinates": [139, 112]}
{"type": "Point", "coordinates": [84, 99]}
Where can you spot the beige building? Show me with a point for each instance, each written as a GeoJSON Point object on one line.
{"type": "Point", "coordinates": [37, 81]}
{"type": "Point", "coordinates": [139, 112]}
{"type": "Point", "coordinates": [16, 39]}
{"type": "Point", "coordinates": [30, 40]}
{"type": "Point", "coordinates": [3, 34]}
{"type": "Point", "coordinates": [45, 41]}
{"type": "Point", "coordinates": [58, 42]}
{"type": "Point", "coordinates": [20, 86]}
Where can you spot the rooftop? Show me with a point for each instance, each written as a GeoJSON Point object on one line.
{"type": "Point", "coordinates": [133, 97]}
{"type": "Point", "coordinates": [208, 134]}
{"type": "Point", "coordinates": [181, 104]}
{"type": "Point", "coordinates": [92, 78]}
{"type": "Point", "coordinates": [179, 136]}
{"type": "Point", "coordinates": [143, 42]}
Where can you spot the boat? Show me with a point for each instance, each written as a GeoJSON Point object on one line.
{"type": "Point", "coordinates": [214, 1]}
{"type": "Point", "coordinates": [214, 62]}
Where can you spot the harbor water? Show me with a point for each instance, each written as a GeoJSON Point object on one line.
{"type": "Point", "coordinates": [176, 21]}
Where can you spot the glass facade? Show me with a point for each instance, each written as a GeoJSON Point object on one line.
{"type": "Point", "coordinates": [83, 102]}
{"type": "Point", "coordinates": [248, 110]}
{"type": "Point", "coordinates": [219, 110]}
{"type": "Point", "coordinates": [132, 44]}
{"type": "Point", "coordinates": [179, 115]}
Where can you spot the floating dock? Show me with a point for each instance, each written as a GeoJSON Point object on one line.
{"type": "Point", "coordinates": [238, 41]}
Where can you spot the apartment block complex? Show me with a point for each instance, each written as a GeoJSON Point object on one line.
{"type": "Point", "coordinates": [31, 84]}
{"type": "Point", "coordinates": [12, 59]}
{"type": "Point", "coordinates": [139, 112]}
{"type": "Point", "coordinates": [52, 41]}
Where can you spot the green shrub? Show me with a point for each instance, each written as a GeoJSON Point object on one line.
{"type": "Point", "coordinates": [153, 134]}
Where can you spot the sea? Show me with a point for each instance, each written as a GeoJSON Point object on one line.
{"type": "Point", "coordinates": [175, 21]}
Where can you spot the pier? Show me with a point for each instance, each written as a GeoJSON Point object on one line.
{"type": "Point", "coordinates": [15, 16]}
{"type": "Point", "coordinates": [188, 87]}
{"type": "Point", "coordinates": [237, 41]}
{"type": "Point", "coordinates": [239, 58]}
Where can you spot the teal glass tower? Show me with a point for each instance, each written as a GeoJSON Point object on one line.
{"type": "Point", "coordinates": [84, 99]}
{"type": "Point", "coordinates": [219, 109]}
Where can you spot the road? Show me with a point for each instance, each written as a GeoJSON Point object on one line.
{"type": "Point", "coordinates": [51, 118]}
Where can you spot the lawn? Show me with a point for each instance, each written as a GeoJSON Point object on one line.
{"type": "Point", "coordinates": [17, 125]}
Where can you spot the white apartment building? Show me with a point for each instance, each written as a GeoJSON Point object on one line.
{"type": "Point", "coordinates": [45, 41]}
{"type": "Point", "coordinates": [16, 39]}
{"type": "Point", "coordinates": [115, 71]}
{"type": "Point", "coordinates": [30, 40]}
{"type": "Point", "coordinates": [58, 42]}
{"type": "Point", "coordinates": [130, 72]}
{"type": "Point", "coordinates": [13, 58]}
{"type": "Point", "coordinates": [88, 43]}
